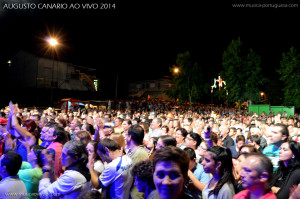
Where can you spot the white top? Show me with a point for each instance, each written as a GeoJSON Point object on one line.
{"type": "Point", "coordinates": [226, 192]}
{"type": "Point", "coordinates": [155, 133]}
{"type": "Point", "coordinates": [69, 185]}
{"type": "Point", "coordinates": [12, 187]}
{"type": "Point", "coordinates": [99, 166]}
{"type": "Point", "coordinates": [116, 179]}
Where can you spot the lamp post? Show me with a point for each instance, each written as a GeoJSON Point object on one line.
{"type": "Point", "coordinates": [176, 70]}
{"type": "Point", "coordinates": [53, 43]}
{"type": "Point", "coordinates": [262, 95]}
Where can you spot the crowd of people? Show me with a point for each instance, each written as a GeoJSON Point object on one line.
{"type": "Point", "coordinates": [149, 149]}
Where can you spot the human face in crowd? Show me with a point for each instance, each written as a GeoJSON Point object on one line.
{"type": "Point", "coordinates": [90, 149]}
{"type": "Point", "coordinates": [134, 122]}
{"type": "Point", "coordinates": [83, 127]}
{"type": "Point", "coordinates": [77, 128]}
{"type": "Point", "coordinates": [49, 135]}
{"type": "Point", "coordinates": [164, 131]}
{"type": "Point", "coordinates": [105, 156]}
{"type": "Point", "coordinates": [202, 148]}
{"type": "Point", "coordinates": [175, 124]}
{"type": "Point", "coordinates": [168, 179]}
{"type": "Point", "coordinates": [245, 150]}
{"type": "Point", "coordinates": [239, 144]}
{"type": "Point", "coordinates": [186, 122]}
{"type": "Point", "coordinates": [107, 131]}
{"type": "Point", "coordinates": [90, 120]}
{"type": "Point", "coordinates": [106, 116]}
{"type": "Point", "coordinates": [118, 123]}
{"type": "Point", "coordinates": [276, 135]}
{"type": "Point", "coordinates": [190, 142]}
{"type": "Point", "coordinates": [99, 122]}
{"type": "Point", "coordinates": [31, 157]}
{"type": "Point", "coordinates": [41, 124]}
{"type": "Point", "coordinates": [209, 164]}
{"type": "Point", "coordinates": [179, 137]}
{"type": "Point", "coordinates": [159, 144]}
{"type": "Point", "coordinates": [154, 124]}
{"type": "Point", "coordinates": [249, 174]}
{"type": "Point", "coordinates": [72, 125]}
{"type": "Point", "coordinates": [35, 118]}
{"type": "Point", "coordinates": [150, 144]}
{"type": "Point", "coordinates": [285, 153]}
{"type": "Point", "coordinates": [126, 126]}
{"type": "Point", "coordinates": [66, 159]}
{"type": "Point", "coordinates": [238, 163]}
{"type": "Point", "coordinates": [224, 130]}
{"type": "Point", "coordinates": [231, 133]}
{"type": "Point", "coordinates": [43, 132]}
{"type": "Point", "coordinates": [140, 185]}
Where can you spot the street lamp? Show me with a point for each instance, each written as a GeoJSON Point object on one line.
{"type": "Point", "coordinates": [262, 95]}
{"type": "Point", "coordinates": [53, 43]}
{"type": "Point", "coordinates": [176, 70]}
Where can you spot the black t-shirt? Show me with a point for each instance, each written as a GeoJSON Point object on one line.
{"type": "Point", "coordinates": [228, 142]}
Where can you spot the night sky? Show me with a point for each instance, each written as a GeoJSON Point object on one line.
{"type": "Point", "coordinates": [141, 39]}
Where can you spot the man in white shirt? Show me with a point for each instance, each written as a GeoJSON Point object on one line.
{"type": "Point", "coordinates": [11, 186]}
{"type": "Point", "coordinates": [156, 127]}
{"type": "Point", "coordinates": [116, 179]}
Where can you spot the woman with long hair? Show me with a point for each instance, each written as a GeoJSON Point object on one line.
{"type": "Point", "coordinates": [288, 173]}
{"type": "Point", "coordinates": [93, 155]}
{"type": "Point", "coordinates": [31, 127]}
{"type": "Point", "coordinates": [217, 161]}
{"type": "Point", "coordinates": [74, 180]}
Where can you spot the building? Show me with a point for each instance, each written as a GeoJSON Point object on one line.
{"type": "Point", "coordinates": [30, 71]}
{"type": "Point", "coordinates": [150, 88]}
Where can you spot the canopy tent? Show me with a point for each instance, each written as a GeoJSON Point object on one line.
{"type": "Point", "coordinates": [69, 103]}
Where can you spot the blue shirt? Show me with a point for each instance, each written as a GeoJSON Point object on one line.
{"type": "Point", "coordinates": [272, 151]}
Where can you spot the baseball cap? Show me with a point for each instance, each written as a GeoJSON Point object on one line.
{"type": "Point", "coordinates": [3, 121]}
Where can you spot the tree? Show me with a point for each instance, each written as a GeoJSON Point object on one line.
{"type": "Point", "coordinates": [290, 75]}
{"type": "Point", "coordinates": [188, 82]}
{"type": "Point", "coordinates": [242, 73]}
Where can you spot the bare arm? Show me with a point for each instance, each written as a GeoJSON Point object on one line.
{"type": "Point", "coordinates": [94, 174]}
{"type": "Point", "coordinates": [13, 123]}
{"type": "Point", "coordinates": [199, 185]}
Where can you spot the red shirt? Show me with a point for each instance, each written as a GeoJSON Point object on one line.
{"type": "Point", "coordinates": [246, 195]}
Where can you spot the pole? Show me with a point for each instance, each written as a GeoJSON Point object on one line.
{"type": "Point", "coordinates": [52, 82]}
{"type": "Point", "coordinates": [117, 86]}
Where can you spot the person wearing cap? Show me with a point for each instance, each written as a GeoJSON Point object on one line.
{"type": "Point", "coordinates": [3, 134]}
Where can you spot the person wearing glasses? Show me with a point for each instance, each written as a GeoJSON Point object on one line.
{"type": "Point", "coordinates": [180, 136]}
